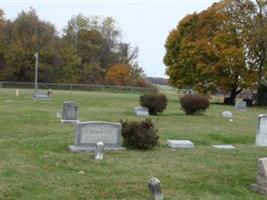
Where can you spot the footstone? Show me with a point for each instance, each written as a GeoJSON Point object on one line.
{"type": "Point", "coordinates": [261, 133]}
{"type": "Point", "coordinates": [261, 181]}
{"type": "Point", "coordinates": [141, 111]}
{"type": "Point", "coordinates": [99, 151]}
{"type": "Point", "coordinates": [224, 146]}
{"type": "Point", "coordinates": [227, 114]}
{"type": "Point", "coordinates": [241, 105]}
{"type": "Point", "coordinates": [180, 144]}
{"type": "Point", "coordinates": [88, 134]}
{"type": "Point", "coordinates": [155, 189]}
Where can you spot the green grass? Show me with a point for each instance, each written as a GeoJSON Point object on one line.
{"type": "Point", "coordinates": [36, 163]}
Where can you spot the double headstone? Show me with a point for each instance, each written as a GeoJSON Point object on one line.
{"type": "Point", "coordinates": [141, 111]}
{"type": "Point", "coordinates": [261, 133]}
{"type": "Point", "coordinates": [261, 184]}
{"type": "Point", "coordinates": [88, 134]}
{"type": "Point", "coordinates": [70, 113]}
{"type": "Point", "coordinates": [241, 105]}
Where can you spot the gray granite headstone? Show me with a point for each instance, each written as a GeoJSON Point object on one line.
{"type": "Point", "coordinates": [155, 189]}
{"type": "Point", "coordinates": [227, 114]}
{"type": "Point", "coordinates": [180, 144]}
{"type": "Point", "coordinates": [141, 111]}
{"type": "Point", "coordinates": [241, 105]}
{"type": "Point", "coordinates": [261, 181]}
{"type": "Point", "coordinates": [261, 133]}
{"type": "Point", "coordinates": [88, 134]}
{"type": "Point", "coordinates": [99, 151]}
{"type": "Point", "coordinates": [70, 113]}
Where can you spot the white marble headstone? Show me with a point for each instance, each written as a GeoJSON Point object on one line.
{"type": "Point", "coordinates": [180, 144]}
{"type": "Point", "coordinates": [141, 111]}
{"type": "Point", "coordinates": [261, 133]}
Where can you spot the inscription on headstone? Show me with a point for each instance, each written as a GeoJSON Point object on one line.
{"type": "Point", "coordinates": [88, 134]}
{"type": "Point", "coordinates": [261, 133]}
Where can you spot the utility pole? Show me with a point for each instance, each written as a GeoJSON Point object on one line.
{"type": "Point", "coordinates": [36, 72]}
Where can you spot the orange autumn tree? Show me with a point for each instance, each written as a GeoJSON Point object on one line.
{"type": "Point", "coordinates": [119, 74]}
{"type": "Point", "coordinates": [206, 52]}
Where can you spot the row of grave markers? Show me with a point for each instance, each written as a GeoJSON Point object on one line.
{"type": "Point", "coordinates": [88, 134]}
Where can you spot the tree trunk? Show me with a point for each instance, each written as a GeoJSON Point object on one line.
{"type": "Point", "coordinates": [231, 100]}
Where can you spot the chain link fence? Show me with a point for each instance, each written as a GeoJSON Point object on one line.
{"type": "Point", "coordinates": [78, 87]}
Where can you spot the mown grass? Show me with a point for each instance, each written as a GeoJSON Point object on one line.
{"type": "Point", "coordinates": [36, 163]}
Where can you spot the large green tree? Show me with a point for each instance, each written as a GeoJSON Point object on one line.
{"type": "Point", "coordinates": [209, 51]}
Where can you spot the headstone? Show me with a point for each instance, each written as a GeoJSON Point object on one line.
{"type": "Point", "coordinates": [70, 113]}
{"type": "Point", "coordinates": [261, 181]}
{"type": "Point", "coordinates": [59, 114]}
{"type": "Point", "coordinates": [227, 114]}
{"type": "Point", "coordinates": [155, 189]}
{"type": "Point", "coordinates": [17, 92]}
{"type": "Point", "coordinates": [41, 96]}
{"type": "Point", "coordinates": [241, 105]}
{"type": "Point", "coordinates": [261, 133]}
{"type": "Point", "coordinates": [99, 154]}
{"type": "Point", "coordinates": [141, 111]}
{"type": "Point", "coordinates": [180, 144]}
{"type": "Point", "coordinates": [88, 134]}
{"type": "Point", "coordinates": [224, 146]}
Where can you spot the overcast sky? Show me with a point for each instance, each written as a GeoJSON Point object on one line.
{"type": "Point", "coordinates": [144, 24]}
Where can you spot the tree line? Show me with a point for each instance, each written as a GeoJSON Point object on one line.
{"type": "Point", "coordinates": [223, 48]}
{"type": "Point", "coordinates": [89, 50]}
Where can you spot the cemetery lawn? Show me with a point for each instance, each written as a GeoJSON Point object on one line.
{"type": "Point", "coordinates": [36, 164]}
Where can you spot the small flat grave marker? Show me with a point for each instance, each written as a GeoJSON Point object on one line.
{"type": "Point", "coordinates": [180, 144]}
{"type": "Point", "coordinates": [227, 114]}
{"type": "Point", "coordinates": [224, 146]}
{"type": "Point", "coordinates": [141, 111]}
{"type": "Point", "coordinates": [88, 134]}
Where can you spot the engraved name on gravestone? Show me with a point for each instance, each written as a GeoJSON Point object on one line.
{"type": "Point", "coordinates": [241, 105]}
{"type": "Point", "coordinates": [88, 134]}
{"type": "Point", "coordinates": [70, 112]}
{"type": "Point", "coordinates": [261, 134]}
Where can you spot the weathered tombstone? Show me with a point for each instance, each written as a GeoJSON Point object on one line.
{"type": "Point", "coordinates": [180, 144]}
{"type": "Point", "coordinates": [224, 146]}
{"type": "Point", "coordinates": [261, 133]}
{"type": "Point", "coordinates": [99, 151]}
{"type": "Point", "coordinates": [155, 189]}
{"type": "Point", "coordinates": [241, 105]}
{"type": "Point", "coordinates": [70, 113]}
{"type": "Point", "coordinates": [261, 181]}
{"type": "Point", "coordinates": [227, 114]}
{"type": "Point", "coordinates": [17, 92]}
{"type": "Point", "coordinates": [59, 114]}
{"type": "Point", "coordinates": [88, 134]}
{"type": "Point", "coordinates": [141, 111]}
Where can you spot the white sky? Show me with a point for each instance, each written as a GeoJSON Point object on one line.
{"type": "Point", "coordinates": [144, 24]}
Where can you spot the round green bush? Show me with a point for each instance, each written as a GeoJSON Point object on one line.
{"type": "Point", "coordinates": [139, 135]}
{"type": "Point", "coordinates": [154, 102]}
{"type": "Point", "coordinates": [194, 104]}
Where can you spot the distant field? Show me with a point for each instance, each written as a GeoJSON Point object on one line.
{"type": "Point", "coordinates": [36, 164]}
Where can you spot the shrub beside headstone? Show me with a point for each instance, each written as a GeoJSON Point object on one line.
{"type": "Point", "coordinates": [139, 135]}
{"type": "Point", "coordinates": [154, 102]}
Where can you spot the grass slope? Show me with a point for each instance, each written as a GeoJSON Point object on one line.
{"type": "Point", "coordinates": [35, 162]}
